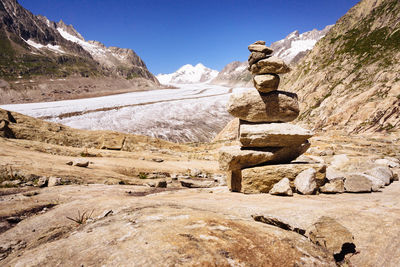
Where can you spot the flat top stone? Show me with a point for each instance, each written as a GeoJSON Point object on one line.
{"type": "Point", "coordinates": [260, 48]}
{"type": "Point", "coordinates": [275, 129]}
{"type": "Point", "coordinates": [259, 42]}
{"type": "Point", "coordinates": [276, 106]}
{"type": "Point", "coordinates": [270, 65]}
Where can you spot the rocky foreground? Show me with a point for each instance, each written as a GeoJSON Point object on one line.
{"type": "Point", "coordinates": [74, 197]}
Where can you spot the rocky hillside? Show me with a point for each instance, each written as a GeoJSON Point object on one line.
{"type": "Point", "coordinates": [291, 49]}
{"type": "Point", "coordinates": [32, 47]}
{"type": "Point", "coordinates": [351, 78]}
{"type": "Point", "coordinates": [189, 74]}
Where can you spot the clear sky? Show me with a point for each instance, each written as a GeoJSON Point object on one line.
{"type": "Point", "coordinates": [167, 34]}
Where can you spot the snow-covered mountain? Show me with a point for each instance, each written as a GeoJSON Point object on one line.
{"type": "Point", "coordinates": [296, 45]}
{"type": "Point", "coordinates": [189, 74]}
{"type": "Point", "coordinates": [36, 46]}
{"type": "Point", "coordinates": [291, 49]}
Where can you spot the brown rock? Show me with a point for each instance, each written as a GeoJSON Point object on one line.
{"type": "Point", "coordinates": [261, 179]}
{"type": "Point", "coordinates": [234, 158]}
{"type": "Point", "coordinates": [262, 48]}
{"type": "Point", "coordinates": [229, 133]}
{"type": "Point", "coordinates": [282, 188]}
{"type": "Point", "coordinates": [112, 141]}
{"type": "Point", "coordinates": [272, 135]}
{"type": "Point", "coordinates": [81, 163]}
{"type": "Point", "coordinates": [335, 185]}
{"type": "Point", "coordinates": [252, 106]}
{"type": "Point", "coordinates": [269, 65]}
{"type": "Point", "coordinates": [234, 180]}
{"type": "Point", "coordinates": [333, 236]}
{"type": "Point", "coordinates": [259, 42]}
{"type": "Point", "coordinates": [255, 57]}
{"type": "Point", "coordinates": [356, 183]}
{"type": "Point", "coordinates": [266, 83]}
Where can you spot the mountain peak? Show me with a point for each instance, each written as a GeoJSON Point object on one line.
{"type": "Point", "coordinates": [189, 74]}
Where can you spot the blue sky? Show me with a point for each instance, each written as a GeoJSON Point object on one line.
{"type": "Point", "coordinates": [167, 34]}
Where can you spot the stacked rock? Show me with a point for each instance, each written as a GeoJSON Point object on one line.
{"type": "Point", "coordinates": [265, 135]}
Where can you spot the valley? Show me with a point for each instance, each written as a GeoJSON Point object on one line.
{"type": "Point", "coordinates": [191, 113]}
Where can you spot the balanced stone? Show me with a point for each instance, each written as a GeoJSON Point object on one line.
{"type": "Point", "coordinates": [272, 135]}
{"type": "Point", "coordinates": [266, 83]}
{"type": "Point", "coordinates": [259, 42]}
{"type": "Point", "coordinates": [260, 48]}
{"type": "Point", "coordinates": [269, 65]}
{"type": "Point", "coordinates": [234, 158]}
{"type": "Point", "coordinates": [256, 56]}
{"type": "Point", "coordinates": [261, 179]}
{"type": "Point", "coordinates": [252, 106]}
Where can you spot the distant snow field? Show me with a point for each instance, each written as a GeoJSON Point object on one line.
{"type": "Point", "coordinates": [192, 113]}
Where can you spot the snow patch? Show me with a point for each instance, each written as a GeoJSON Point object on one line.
{"type": "Point", "coordinates": [54, 48]}
{"type": "Point", "coordinates": [189, 74]}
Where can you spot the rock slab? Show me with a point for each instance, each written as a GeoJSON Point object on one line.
{"type": "Point", "coordinates": [252, 106]}
{"type": "Point", "coordinates": [261, 179]}
{"type": "Point", "coordinates": [272, 135]}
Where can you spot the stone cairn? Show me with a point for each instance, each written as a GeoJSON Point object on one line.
{"type": "Point", "coordinates": [266, 137]}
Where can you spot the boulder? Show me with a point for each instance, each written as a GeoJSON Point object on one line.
{"type": "Point", "coordinates": [81, 163]}
{"type": "Point", "coordinates": [234, 157]}
{"type": "Point", "coordinates": [376, 183]}
{"type": "Point", "coordinates": [272, 135]}
{"type": "Point", "coordinates": [256, 56]}
{"type": "Point", "coordinates": [54, 181]}
{"type": "Point", "coordinates": [230, 131]}
{"type": "Point", "coordinates": [270, 65]}
{"type": "Point", "coordinates": [305, 182]}
{"type": "Point", "coordinates": [252, 106]}
{"type": "Point", "coordinates": [42, 181]}
{"type": "Point", "coordinates": [259, 42]}
{"type": "Point", "coordinates": [197, 184]}
{"type": "Point", "coordinates": [339, 161]}
{"type": "Point", "coordinates": [161, 184]}
{"type": "Point", "coordinates": [396, 174]}
{"type": "Point", "coordinates": [391, 162]}
{"type": "Point", "coordinates": [282, 188]}
{"type": "Point", "coordinates": [262, 48]}
{"type": "Point", "coordinates": [335, 185]}
{"type": "Point", "coordinates": [333, 236]}
{"type": "Point", "coordinates": [112, 141]}
{"type": "Point", "coordinates": [234, 180]}
{"type": "Point", "coordinates": [266, 83]}
{"type": "Point", "coordinates": [382, 173]}
{"type": "Point", "coordinates": [333, 173]}
{"type": "Point", "coordinates": [261, 179]}
{"type": "Point", "coordinates": [357, 183]}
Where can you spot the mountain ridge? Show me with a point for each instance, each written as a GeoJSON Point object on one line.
{"type": "Point", "coordinates": [189, 74]}
{"type": "Point", "coordinates": [291, 49]}
{"type": "Point", "coordinates": [350, 80]}
{"type": "Point", "coordinates": [35, 52]}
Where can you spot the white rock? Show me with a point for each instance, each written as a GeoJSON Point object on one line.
{"type": "Point", "coordinates": [383, 173]}
{"type": "Point", "coordinates": [54, 181]}
{"type": "Point", "coordinates": [340, 160]}
{"type": "Point", "coordinates": [282, 188]}
{"type": "Point", "coordinates": [305, 182]}
{"type": "Point", "coordinates": [332, 173]}
{"type": "Point", "coordinates": [387, 162]}
{"type": "Point", "coordinates": [376, 183]}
